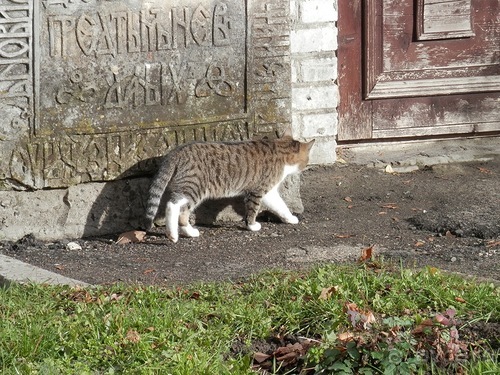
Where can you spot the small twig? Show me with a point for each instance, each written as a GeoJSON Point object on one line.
{"type": "Point", "coordinates": [38, 344]}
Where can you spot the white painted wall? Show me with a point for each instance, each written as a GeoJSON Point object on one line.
{"type": "Point", "coordinates": [315, 94]}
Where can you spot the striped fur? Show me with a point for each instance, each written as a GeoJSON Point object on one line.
{"type": "Point", "coordinates": [197, 171]}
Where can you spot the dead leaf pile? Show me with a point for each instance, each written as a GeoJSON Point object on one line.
{"type": "Point", "coordinates": [287, 355]}
{"type": "Point", "coordinates": [440, 337]}
{"type": "Point", "coordinates": [359, 319]}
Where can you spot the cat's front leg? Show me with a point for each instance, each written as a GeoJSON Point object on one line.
{"type": "Point", "coordinates": [277, 206]}
{"type": "Point", "coordinates": [172, 218]}
{"type": "Point", "coordinates": [185, 228]}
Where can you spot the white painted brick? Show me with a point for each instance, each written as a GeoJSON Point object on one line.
{"type": "Point", "coordinates": [296, 76]}
{"type": "Point", "coordinates": [293, 10]}
{"type": "Point", "coordinates": [314, 40]}
{"type": "Point", "coordinates": [318, 11]}
{"type": "Point", "coordinates": [321, 69]}
{"type": "Point", "coordinates": [319, 125]}
{"type": "Point", "coordinates": [323, 151]}
{"type": "Point", "coordinates": [296, 125]}
{"type": "Point", "coordinates": [307, 98]}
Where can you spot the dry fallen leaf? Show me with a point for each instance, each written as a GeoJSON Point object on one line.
{"type": "Point", "coordinates": [326, 293]}
{"type": "Point", "coordinates": [423, 327]}
{"type": "Point", "coordinates": [391, 206]}
{"type": "Point", "coordinates": [366, 254]}
{"type": "Point", "coordinates": [131, 236]}
{"type": "Point", "coordinates": [433, 270]}
{"type": "Point", "coordinates": [133, 336]}
{"type": "Point", "coordinates": [148, 271]}
{"type": "Point", "coordinates": [345, 336]}
{"type": "Point", "coordinates": [484, 170]}
{"type": "Point", "coordinates": [460, 299]}
{"type": "Point", "coordinates": [359, 319]}
{"type": "Point", "coordinates": [260, 357]}
{"type": "Point", "coordinates": [289, 353]}
{"type": "Point", "coordinates": [343, 235]}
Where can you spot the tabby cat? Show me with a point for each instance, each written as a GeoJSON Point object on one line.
{"type": "Point", "coordinates": [194, 172]}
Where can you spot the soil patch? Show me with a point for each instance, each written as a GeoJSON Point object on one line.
{"type": "Point", "coordinates": [446, 217]}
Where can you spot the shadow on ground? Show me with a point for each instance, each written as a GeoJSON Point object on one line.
{"type": "Point", "coordinates": [445, 217]}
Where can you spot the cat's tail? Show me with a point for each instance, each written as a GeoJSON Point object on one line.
{"type": "Point", "coordinates": [156, 191]}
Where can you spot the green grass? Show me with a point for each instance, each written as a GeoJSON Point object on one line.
{"type": "Point", "coordinates": [190, 330]}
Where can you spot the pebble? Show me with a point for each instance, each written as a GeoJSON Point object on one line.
{"type": "Point", "coordinates": [73, 246]}
{"type": "Point", "coordinates": [454, 259]}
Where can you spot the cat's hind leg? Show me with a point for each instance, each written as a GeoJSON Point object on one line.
{"type": "Point", "coordinates": [252, 206]}
{"type": "Point", "coordinates": [185, 228]}
{"type": "Point", "coordinates": [273, 201]}
{"type": "Point", "coordinates": [172, 217]}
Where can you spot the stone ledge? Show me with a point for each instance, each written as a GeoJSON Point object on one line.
{"type": "Point", "coordinates": [94, 209]}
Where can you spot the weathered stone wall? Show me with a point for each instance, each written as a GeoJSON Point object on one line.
{"type": "Point", "coordinates": [92, 87]}
{"type": "Point", "coordinates": [315, 93]}
{"type": "Point", "coordinates": [95, 90]}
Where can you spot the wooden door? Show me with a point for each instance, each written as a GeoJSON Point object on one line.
{"type": "Point", "coordinates": [418, 68]}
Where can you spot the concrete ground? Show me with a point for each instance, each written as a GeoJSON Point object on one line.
{"type": "Point", "coordinates": [395, 157]}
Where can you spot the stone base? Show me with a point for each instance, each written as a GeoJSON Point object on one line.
{"type": "Point", "coordinates": [95, 209]}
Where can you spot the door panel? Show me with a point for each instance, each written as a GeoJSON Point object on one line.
{"type": "Point", "coordinates": [447, 51]}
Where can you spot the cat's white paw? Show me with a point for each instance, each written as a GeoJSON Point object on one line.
{"type": "Point", "coordinates": [189, 231]}
{"type": "Point", "coordinates": [173, 238]}
{"type": "Point", "coordinates": [292, 220]}
{"type": "Point", "coordinates": [254, 227]}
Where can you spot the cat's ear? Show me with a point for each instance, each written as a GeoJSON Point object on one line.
{"type": "Point", "coordinates": [308, 145]}
{"type": "Point", "coordinates": [287, 133]}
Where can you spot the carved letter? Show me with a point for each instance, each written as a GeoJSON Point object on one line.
{"type": "Point", "coordinates": [179, 87]}
{"type": "Point", "coordinates": [86, 34]}
{"type": "Point", "coordinates": [105, 45]}
{"type": "Point", "coordinates": [153, 91]}
{"type": "Point", "coordinates": [60, 27]}
{"type": "Point", "coordinates": [134, 35]}
{"type": "Point", "coordinates": [120, 20]}
{"type": "Point", "coordinates": [149, 29]}
{"type": "Point", "coordinates": [114, 97]}
{"type": "Point", "coordinates": [201, 23]}
{"type": "Point", "coordinates": [221, 26]}
{"type": "Point", "coordinates": [180, 20]}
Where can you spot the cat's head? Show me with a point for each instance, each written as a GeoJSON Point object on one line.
{"type": "Point", "coordinates": [298, 152]}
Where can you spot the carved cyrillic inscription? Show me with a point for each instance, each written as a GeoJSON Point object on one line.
{"type": "Point", "coordinates": [120, 81]}
{"type": "Point", "coordinates": [271, 71]}
{"type": "Point", "coordinates": [81, 158]}
{"type": "Point", "coordinates": [148, 30]}
{"type": "Point", "coordinates": [164, 84]}
{"type": "Point", "coordinates": [16, 67]}
{"type": "Point", "coordinates": [111, 65]}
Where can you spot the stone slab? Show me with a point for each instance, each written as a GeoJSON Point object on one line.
{"type": "Point", "coordinates": [13, 270]}
{"type": "Point", "coordinates": [89, 88]}
{"type": "Point", "coordinates": [95, 209]}
{"type": "Point", "coordinates": [409, 156]}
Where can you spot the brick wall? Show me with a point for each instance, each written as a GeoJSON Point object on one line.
{"type": "Point", "coordinates": [315, 93]}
